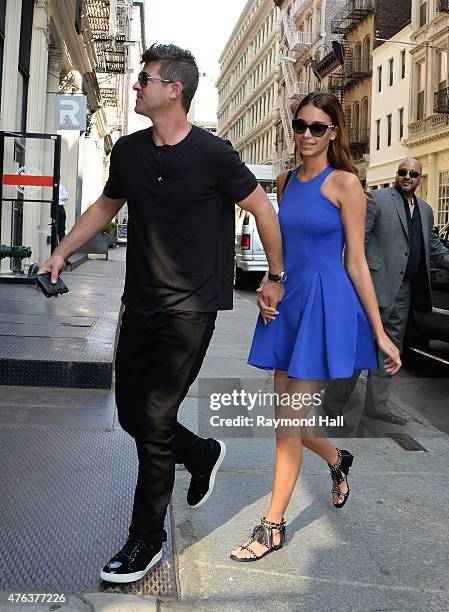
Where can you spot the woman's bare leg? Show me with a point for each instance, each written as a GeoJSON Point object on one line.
{"type": "Point", "coordinates": [289, 449]}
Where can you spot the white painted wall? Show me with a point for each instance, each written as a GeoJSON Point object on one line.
{"type": "Point", "coordinates": [383, 162]}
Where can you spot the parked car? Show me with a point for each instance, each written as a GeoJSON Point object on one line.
{"type": "Point", "coordinates": [250, 256]}
{"type": "Point", "coordinates": [428, 334]}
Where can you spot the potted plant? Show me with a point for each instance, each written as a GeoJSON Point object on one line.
{"type": "Point", "coordinates": [111, 232]}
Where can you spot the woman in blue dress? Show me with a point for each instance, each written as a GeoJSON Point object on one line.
{"type": "Point", "coordinates": [328, 321]}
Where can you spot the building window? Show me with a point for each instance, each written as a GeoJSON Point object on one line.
{"type": "Point", "coordinates": [441, 71]}
{"type": "Point", "coordinates": [401, 123]}
{"type": "Point", "coordinates": [390, 72]}
{"type": "Point", "coordinates": [422, 13]}
{"type": "Point", "coordinates": [443, 199]}
{"type": "Point", "coordinates": [21, 97]}
{"type": "Point", "coordinates": [364, 118]}
{"type": "Point", "coordinates": [366, 49]}
{"type": "Point", "coordinates": [377, 134]}
{"type": "Point", "coordinates": [379, 78]}
{"type": "Point", "coordinates": [2, 38]}
{"type": "Point", "coordinates": [421, 67]}
{"type": "Point", "coordinates": [403, 64]}
{"type": "Point", "coordinates": [388, 130]}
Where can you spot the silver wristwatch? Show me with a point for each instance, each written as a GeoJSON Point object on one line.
{"type": "Point", "coordinates": [278, 278]}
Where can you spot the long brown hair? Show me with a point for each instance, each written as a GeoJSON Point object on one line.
{"type": "Point", "coordinates": [338, 151]}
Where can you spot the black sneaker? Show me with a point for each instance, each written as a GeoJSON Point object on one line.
{"type": "Point", "coordinates": [132, 562]}
{"type": "Point", "coordinates": [202, 485]}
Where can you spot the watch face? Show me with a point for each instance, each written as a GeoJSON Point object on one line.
{"type": "Point", "coordinates": [278, 278]}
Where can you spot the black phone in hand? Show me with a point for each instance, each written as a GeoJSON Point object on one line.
{"type": "Point", "coordinates": [43, 281]}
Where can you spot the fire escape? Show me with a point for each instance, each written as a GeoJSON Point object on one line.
{"type": "Point", "coordinates": [109, 26]}
{"type": "Point", "coordinates": [299, 43]}
{"type": "Point", "coordinates": [351, 15]}
{"type": "Point", "coordinates": [298, 7]}
{"type": "Point", "coordinates": [441, 101]}
{"type": "Point", "coordinates": [295, 89]}
{"type": "Point", "coordinates": [355, 67]}
{"type": "Point", "coordinates": [442, 6]}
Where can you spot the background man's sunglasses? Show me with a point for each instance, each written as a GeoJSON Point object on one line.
{"type": "Point", "coordinates": [412, 173]}
{"type": "Point", "coordinates": [144, 78]}
{"type": "Point", "coordinates": [316, 128]}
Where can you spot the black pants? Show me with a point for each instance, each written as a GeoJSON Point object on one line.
{"type": "Point", "coordinates": [158, 357]}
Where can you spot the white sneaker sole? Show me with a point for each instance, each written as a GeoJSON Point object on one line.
{"type": "Point", "coordinates": [122, 578]}
{"type": "Point", "coordinates": [212, 475]}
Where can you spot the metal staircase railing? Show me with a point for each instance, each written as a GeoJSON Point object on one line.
{"type": "Point", "coordinates": [351, 15]}
{"type": "Point", "coordinates": [295, 88]}
{"type": "Point", "coordinates": [286, 118]}
{"type": "Point", "coordinates": [296, 40]}
{"type": "Point", "coordinates": [299, 6]}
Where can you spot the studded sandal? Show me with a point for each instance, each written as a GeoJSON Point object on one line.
{"type": "Point", "coordinates": [263, 533]}
{"type": "Point", "coordinates": [339, 473]}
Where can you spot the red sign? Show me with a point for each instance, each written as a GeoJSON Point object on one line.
{"type": "Point", "coordinates": [28, 179]}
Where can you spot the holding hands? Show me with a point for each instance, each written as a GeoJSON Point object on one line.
{"type": "Point", "coordinates": [269, 295]}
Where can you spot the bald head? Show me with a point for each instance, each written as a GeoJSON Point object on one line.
{"type": "Point", "coordinates": [407, 160]}
{"type": "Point", "coordinates": [407, 184]}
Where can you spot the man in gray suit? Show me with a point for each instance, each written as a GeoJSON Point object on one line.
{"type": "Point", "coordinates": [399, 244]}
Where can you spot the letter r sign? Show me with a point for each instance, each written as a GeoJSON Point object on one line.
{"type": "Point", "coordinates": [70, 113]}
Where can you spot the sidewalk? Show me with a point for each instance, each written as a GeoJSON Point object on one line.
{"type": "Point", "coordinates": [68, 470]}
{"type": "Point", "coordinates": [386, 550]}
{"type": "Point", "coordinates": [65, 341]}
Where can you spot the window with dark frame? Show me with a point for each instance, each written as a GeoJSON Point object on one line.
{"type": "Point", "coordinates": [377, 134]}
{"type": "Point", "coordinates": [26, 28]}
{"type": "Point", "coordinates": [421, 78]}
{"type": "Point", "coordinates": [379, 78]}
{"type": "Point", "coordinates": [2, 41]}
{"type": "Point", "coordinates": [403, 64]}
{"type": "Point", "coordinates": [390, 72]}
{"type": "Point", "coordinates": [422, 13]}
{"type": "Point", "coordinates": [401, 123]}
{"type": "Point", "coordinates": [441, 69]}
{"type": "Point", "coordinates": [388, 130]}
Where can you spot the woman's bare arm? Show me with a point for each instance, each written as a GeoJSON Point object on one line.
{"type": "Point", "coordinates": [351, 198]}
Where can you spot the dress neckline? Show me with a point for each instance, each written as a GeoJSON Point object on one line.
{"type": "Point", "coordinates": [312, 179]}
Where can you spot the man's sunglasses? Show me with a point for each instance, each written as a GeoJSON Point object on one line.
{"type": "Point", "coordinates": [316, 128]}
{"type": "Point", "coordinates": [144, 78]}
{"type": "Point", "coordinates": [413, 173]}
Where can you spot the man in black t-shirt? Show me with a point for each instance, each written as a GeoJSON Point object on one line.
{"type": "Point", "coordinates": [180, 183]}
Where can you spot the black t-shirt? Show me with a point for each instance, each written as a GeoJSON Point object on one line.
{"type": "Point", "coordinates": [180, 252]}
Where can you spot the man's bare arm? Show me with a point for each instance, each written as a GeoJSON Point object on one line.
{"type": "Point", "coordinates": [258, 204]}
{"type": "Point", "coordinates": [91, 222]}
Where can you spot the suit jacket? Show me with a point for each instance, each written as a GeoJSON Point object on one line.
{"type": "Point", "coordinates": [387, 245]}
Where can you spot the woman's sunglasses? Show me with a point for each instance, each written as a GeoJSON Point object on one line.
{"type": "Point", "coordinates": [144, 78]}
{"type": "Point", "coordinates": [316, 128]}
{"type": "Point", "coordinates": [413, 173]}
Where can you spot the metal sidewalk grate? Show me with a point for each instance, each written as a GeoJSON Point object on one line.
{"type": "Point", "coordinates": [65, 508]}
{"type": "Point", "coordinates": [407, 442]}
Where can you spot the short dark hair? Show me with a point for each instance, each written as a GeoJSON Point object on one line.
{"type": "Point", "coordinates": [176, 65]}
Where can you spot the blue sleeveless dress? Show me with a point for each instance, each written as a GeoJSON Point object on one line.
{"type": "Point", "coordinates": [322, 331]}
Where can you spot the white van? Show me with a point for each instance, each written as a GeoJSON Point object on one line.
{"type": "Point", "coordinates": [249, 253]}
